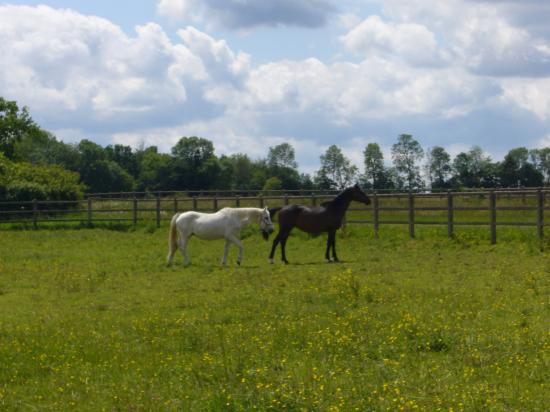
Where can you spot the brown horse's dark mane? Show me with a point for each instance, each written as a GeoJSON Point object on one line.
{"type": "Point", "coordinates": [342, 198]}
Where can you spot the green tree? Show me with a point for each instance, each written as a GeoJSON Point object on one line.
{"type": "Point", "coordinates": [271, 184]}
{"type": "Point", "coordinates": [14, 124]}
{"type": "Point", "coordinates": [438, 167]}
{"type": "Point", "coordinates": [375, 171]}
{"type": "Point", "coordinates": [99, 173]}
{"type": "Point", "coordinates": [281, 156]}
{"type": "Point", "coordinates": [195, 164]}
{"type": "Point", "coordinates": [236, 172]}
{"type": "Point", "coordinates": [516, 170]}
{"type": "Point", "coordinates": [125, 157]}
{"type": "Point", "coordinates": [474, 169]}
{"type": "Point", "coordinates": [156, 170]}
{"type": "Point", "coordinates": [42, 147]}
{"type": "Point", "coordinates": [406, 154]}
{"type": "Point", "coordinates": [540, 158]}
{"type": "Point", "coordinates": [260, 173]}
{"type": "Point", "coordinates": [336, 170]}
{"type": "Point", "coordinates": [306, 182]}
{"type": "Point", "coordinates": [281, 164]}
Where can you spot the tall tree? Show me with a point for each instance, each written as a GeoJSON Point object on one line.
{"type": "Point", "coordinates": [100, 174]}
{"type": "Point", "coordinates": [375, 171]}
{"type": "Point", "coordinates": [42, 147]}
{"type": "Point", "coordinates": [281, 164]}
{"type": "Point", "coordinates": [195, 164]}
{"type": "Point", "coordinates": [474, 169]}
{"type": "Point", "coordinates": [282, 155]}
{"type": "Point", "coordinates": [516, 170]}
{"type": "Point", "coordinates": [541, 160]}
{"type": "Point", "coordinates": [336, 170]}
{"type": "Point", "coordinates": [125, 157]}
{"type": "Point", "coordinates": [438, 167]}
{"type": "Point", "coordinates": [406, 154]}
{"type": "Point", "coordinates": [236, 171]}
{"type": "Point", "coordinates": [156, 170]}
{"type": "Point", "coordinates": [14, 124]}
{"type": "Point", "coordinates": [193, 151]}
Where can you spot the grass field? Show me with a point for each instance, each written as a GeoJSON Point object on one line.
{"type": "Point", "coordinates": [94, 320]}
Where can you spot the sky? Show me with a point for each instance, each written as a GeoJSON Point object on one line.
{"type": "Point", "coordinates": [250, 74]}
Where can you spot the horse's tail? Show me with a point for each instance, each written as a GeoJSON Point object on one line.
{"type": "Point", "coordinates": [273, 210]}
{"type": "Point", "coordinates": [172, 238]}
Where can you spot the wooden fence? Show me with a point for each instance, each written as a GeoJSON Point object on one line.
{"type": "Point", "coordinates": [451, 209]}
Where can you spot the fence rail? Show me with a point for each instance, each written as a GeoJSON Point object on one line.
{"type": "Point", "coordinates": [493, 208]}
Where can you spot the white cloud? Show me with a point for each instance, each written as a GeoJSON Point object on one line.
{"type": "Point", "coordinates": [59, 62]}
{"type": "Point", "coordinates": [481, 36]}
{"type": "Point", "coordinates": [376, 88]}
{"type": "Point", "coordinates": [529, 94]}
{"type": "Point", "coordinates": [411, 42]}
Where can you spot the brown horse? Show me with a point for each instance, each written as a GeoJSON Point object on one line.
{"type": "Point", "coordinates": [325, 218]}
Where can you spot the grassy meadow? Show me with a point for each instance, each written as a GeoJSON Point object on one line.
{"type": "Point", "coordinates": [93, 320]}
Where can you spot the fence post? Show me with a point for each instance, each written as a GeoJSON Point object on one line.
{"type": "Point", "coordinates": [158, 210]}
{"type": "Point", "coordinates": [89, 211]}
{"type": "Point", "coordinates": [194, 203]}
{"type": "Point", "coordinates": [313, 200]}
{"type": "Point", "coordinates": [450, 214]}
{"type": "Point", "coordinates": [376, 214]}
{"type": "Point", "coordinates": [286, 200]}
{"type": "Point", "coordinates": [135, 210]}
{"type": "Point", "coordinates": [35, 213]}
{"type": "Point", "coordinates": [215, 203]}
{"type": "Point", "coordinates": [237, 201]}
{"type": "Point", "coordinates": [261, 201]}
{"type": "Point", "coordinates": [540, 213]}
{"type": "Point", "coordinates": [411, 215]}
{"type": "Point", "coordinates": [175, 203]}
{"type": "Point", "coordinates": [493, 216]}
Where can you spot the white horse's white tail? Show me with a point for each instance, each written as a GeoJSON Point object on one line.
{"type": "Point", "coordinates": [172, 239]}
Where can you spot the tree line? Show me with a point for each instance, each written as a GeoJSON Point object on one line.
{"type": "Point", "coordinates": [34, 164]}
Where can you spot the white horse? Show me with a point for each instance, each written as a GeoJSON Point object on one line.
{"type": "Point", "coordinates": [224, 224]}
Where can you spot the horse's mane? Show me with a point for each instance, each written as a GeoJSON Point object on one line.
{"type": "Point", "coordinates": [243, 212]}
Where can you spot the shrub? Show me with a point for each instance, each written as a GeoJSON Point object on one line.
{"type": "Point", "coordinates": [25, 181]}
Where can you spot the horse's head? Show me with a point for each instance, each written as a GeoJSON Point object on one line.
{"type": "Point", "coordinates": [358, 195]}
{"type": "Point", "coordinates": [266, 225]}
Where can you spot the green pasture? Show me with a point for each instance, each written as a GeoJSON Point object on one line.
{"type": "Point", "coordinates": [93, 320]}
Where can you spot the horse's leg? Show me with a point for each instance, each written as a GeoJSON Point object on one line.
{"type": "Point", "coordinates": [284, 238]}
{"type": "Point", "coordinates": [225, 251]}
{"type": "Point", "coordinates": [275, 243]}
{"type": "Point", "coordinates": [329, 243]}
{"type": "Point", "coordinates": [183, 240]}
{"type": "Point", "coordinates": [334, 257]}
{"type": "Point", "coordinates": [239, 244]}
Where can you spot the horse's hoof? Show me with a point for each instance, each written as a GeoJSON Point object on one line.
{"type": "Point", "coordinates": [238, 263]}
{"type": "Point", "coordinates": [286, 262]}
{"type": "Point", "coordinates": [271, 261]}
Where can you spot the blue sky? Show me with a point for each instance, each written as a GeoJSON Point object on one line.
{"type": "Point", "coordinates": [249, 74]}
